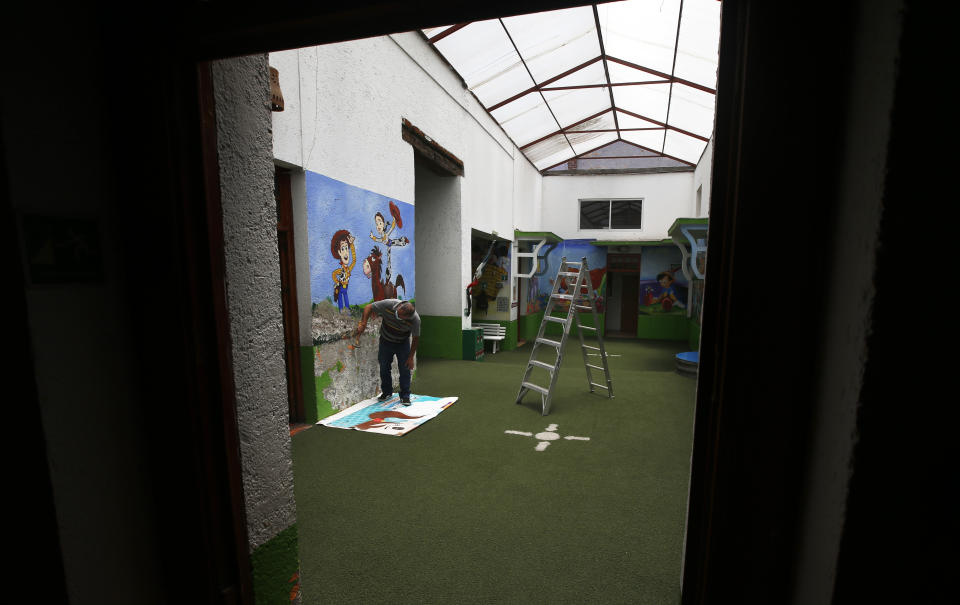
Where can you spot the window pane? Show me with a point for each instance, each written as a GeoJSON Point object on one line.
{"type": "Point", "coordinates": [594, 215]}
{"type": "Point", "coordinates": [625, 214]}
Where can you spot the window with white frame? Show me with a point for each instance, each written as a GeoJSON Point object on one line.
{"type": "Point", "coordinates": [611, 214]}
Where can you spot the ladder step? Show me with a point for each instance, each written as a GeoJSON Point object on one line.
{"type": "Point", "coordinates": [536, 387]}
{"type": "Point", "coordinates": [591, 348]}
{"type": "Point", "coordinates": [595, 367]}
{"type": "Point", "coordinates": [574, 262]}
{"type": "Point", "coordinates": [588, 328]}
{"type": "Point", "coordinates": [583, 308]}
{"type": "Point", "coordinates": [544, 365]}
{"type": "Point", "coordinates": [593, 384]}
{"type": "Point", "coordinates": [570, 273]}
{"type": "Point", "coordinates": [559, 320]}
{"type": "Point", "coordinates": [552, 343]}
{"type": "Point", "coordinates": [563, 296]}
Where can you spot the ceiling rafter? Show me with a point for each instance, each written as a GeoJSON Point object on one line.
{"type": "Point", "coordinates": [606, 68]}
{"type": "Point", "coordinates": [448, 31]}
{"type": "Point", "coordinates": [673, 70]}
{"type": "Point", "coordinates": [539, 87]}
{"type": "Point", "coordinates": [555, 133]}
{"type": "Point", "coordinates": [534, 80]}
{"type": "Point", "coordinates": [631, 56]}
{"type": "Point", "coordinates": [660, 74]}
{"type": "Point", "coordinates": [656, 154]}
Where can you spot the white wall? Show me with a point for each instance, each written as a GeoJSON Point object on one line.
{"type": "Point", "coordinates": [666, 197]}
{"type": "Point", "coordinates": [701, 180]}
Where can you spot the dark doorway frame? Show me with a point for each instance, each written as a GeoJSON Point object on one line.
{"type": "Point", "coordinates": [749, 456]}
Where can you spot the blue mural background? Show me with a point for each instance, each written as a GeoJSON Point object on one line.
{"type": "Point", "coordinates": [332, 206]}
{"type": "Point", "coordinates": [540, 286]}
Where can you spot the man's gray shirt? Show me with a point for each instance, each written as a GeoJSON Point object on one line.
{"type": "Point", "coordinates": [395, 329]}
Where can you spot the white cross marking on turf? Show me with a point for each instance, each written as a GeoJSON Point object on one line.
{"type": "Point", "coordinates": [545, 437]}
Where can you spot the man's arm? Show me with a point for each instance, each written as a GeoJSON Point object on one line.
{"type": "Point", "coordinates": [367, 312]}
{"type": "Point", "coordinates": [414, 341]}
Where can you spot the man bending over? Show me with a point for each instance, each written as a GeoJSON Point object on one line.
{"type": "Point", "coordinates": [400, 323]}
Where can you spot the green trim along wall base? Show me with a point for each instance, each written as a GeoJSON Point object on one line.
{"type": "Point", "coordinates": [276, 569]}
{"type": "Point", "coordinates": [440, 336]}
{"type": "Point", "coordinates": [669, 327]}
{"type": "Point", "coordinates": [529, 325]}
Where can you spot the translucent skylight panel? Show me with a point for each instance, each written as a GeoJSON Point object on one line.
{"type": "Point", "coordinates": [681, 146]}
{"type": "Point", "coordinates": [549, 152]}
{"type": "Point", "coordinates": [506, 85]}
{"type": "Point", "coordinates": [692, 110]}
{"type": "Point", "coordinates": [620, 73]}
{"type": "Point", "coordinates": [571, 106]}
{"type": "Point", "coordinates": [649, 139]}
{"type": "Point", "coordinates": [526, 119]}
{"type": "Point", "coordinates": [698, 46]}
{"type": "Point", "coordinates": [629, 121]}
{"type": "Point", "coordinates": [601, 122]}
{"type": "Point", "coordinates": [555, 41]}
{"type": "Point", "coordinates": [648, 100]}
{"type": "Point", "coordinates": [641, 32]}
{"type": "Point", "coordinates": [586, 141]}
{"type": "Point", "coordinates": [480, 52]}
{"type": "Point", "coordinates": [591, 74]}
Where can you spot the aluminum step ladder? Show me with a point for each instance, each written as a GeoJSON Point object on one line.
{"type": "Point", "coordinates": [581, 300]}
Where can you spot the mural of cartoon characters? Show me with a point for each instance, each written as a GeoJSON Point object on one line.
{"type": "Point", "coordinates": [344, 251]}
{"type": "Point", "coordinates": [668, 297]}
{"type": "Point", "coordinates": [384, 229]}
{"type": "Point", "coordinates": [382, 288]}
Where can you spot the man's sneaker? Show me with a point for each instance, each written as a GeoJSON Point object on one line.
{"type": "Point", "coordinates": [404, 401]}
{"type": "Point", "coordinates": [384, 396]}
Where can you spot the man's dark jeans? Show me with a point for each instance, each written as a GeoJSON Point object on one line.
{"type": "Point", "coordinates": [389, 350]}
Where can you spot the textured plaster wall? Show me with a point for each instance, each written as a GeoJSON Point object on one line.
{"type": "Point", "coordinates": [244, 147]}
{"type": "Point", "coordinates": [666, 196]}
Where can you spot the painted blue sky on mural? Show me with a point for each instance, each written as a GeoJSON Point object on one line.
{"type": "Point", "coordinates": [384, 266]}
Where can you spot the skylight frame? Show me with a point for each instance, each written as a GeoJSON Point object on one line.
{"type": "Point", "coordinates": [683, 124]}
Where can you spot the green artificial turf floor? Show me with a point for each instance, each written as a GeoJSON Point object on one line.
{"type": "Point", "coordinates": [458, 511]}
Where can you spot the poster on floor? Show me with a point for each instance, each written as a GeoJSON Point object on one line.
{"type": "Point", "coordinates": [389, 417]}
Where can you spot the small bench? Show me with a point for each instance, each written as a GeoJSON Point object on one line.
{"type": "Point", "coordinates": [492, 332]}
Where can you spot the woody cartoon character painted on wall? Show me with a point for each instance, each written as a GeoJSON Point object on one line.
{"type": "Point", "coordinates": [385, 287]}
{"type": "Point", "coordinates": [345, 252]}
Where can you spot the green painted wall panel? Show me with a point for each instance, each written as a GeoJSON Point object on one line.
{"type": "Point", "coordinates": [276, 569]}
{"type": "Point", "coordinates": [321, 408]}
{"type": "Point", "coordinates": [663, 327]}
{"type": "Point", "coordinates": [440, 336]}
{"type": "Point", "coordinates": [528, 325]}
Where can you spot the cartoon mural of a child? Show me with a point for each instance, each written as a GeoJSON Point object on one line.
{"type": "Point", "coordinates": [343, 250]}
{"type": "Point", "coordinates": [668, 297]}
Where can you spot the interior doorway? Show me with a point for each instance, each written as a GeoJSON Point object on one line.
{"type": "Point", "coordinates": [288, 293]}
